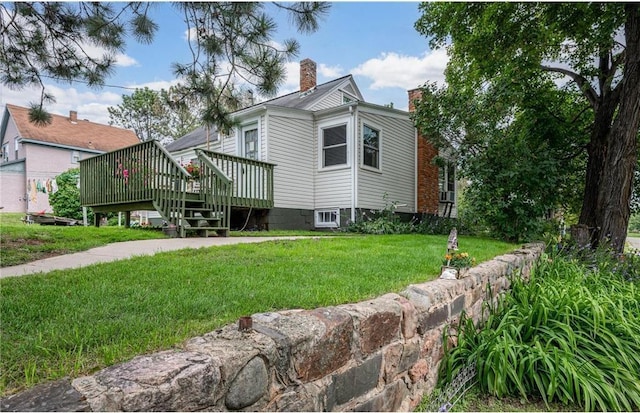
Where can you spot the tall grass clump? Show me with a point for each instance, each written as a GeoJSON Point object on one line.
{"type": "Point", "coordinates": [570, 335]}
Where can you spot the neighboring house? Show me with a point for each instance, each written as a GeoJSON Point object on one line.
{"type": "Point", "coordinates": [32, 156]}
{"type": "Point", "coordinates": [335, 155]}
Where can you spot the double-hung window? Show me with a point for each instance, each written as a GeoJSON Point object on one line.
{"type": "Point", "coordinates": [250, 144]}
{"type": "Point", "coordinates": [334, 145]}
{"type": "Point", "coordinates": [370, 147]}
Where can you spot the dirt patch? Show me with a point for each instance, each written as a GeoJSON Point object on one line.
{"type": "Point", "coordinates": [21, 251]}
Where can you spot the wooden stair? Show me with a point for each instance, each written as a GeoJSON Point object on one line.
{"type": "Point", "coordinates": [202, 220]}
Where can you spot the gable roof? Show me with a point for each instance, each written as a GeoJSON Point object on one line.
{"type": "Point", "coordinates": [294, 100]}
{"type": "Point", "coordinates": [78, 134]}
{"type": "Point", "coordinates": [194, 138]}
{"type": "Point", "coordinates": [308, 99]}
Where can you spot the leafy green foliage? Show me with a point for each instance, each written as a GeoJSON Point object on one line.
{"type": "Point", "coordinates": [568, 335]}
{"type": "Point", "coordinates": [162, 115]}
{"type": "Point", "coordinates": [387, 221]}
{"type": "Point", "coordinates": [66, 200]}
{"type": "Point", "coordinates": [634, 223]}
{"type": "Point", "coordinates": [383, 221]}
{"type": "Point", "coordinates": [503, 55]}
{"type": "Point", "coordinates": [521, 163]}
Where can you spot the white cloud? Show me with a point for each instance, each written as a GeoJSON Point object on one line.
{"type": "Point", "coordinates": [392, 70]}
{"type": "Point", "coordinates": [154, 85]}
{"type": "Point", "coordinates": [330, 72]}
{"type": "Point", "coordinates": [91, 105]}
{"type": "Point", "coordinates": [97, 52]}
{"type": "Point", "coordinates": [124, 60]}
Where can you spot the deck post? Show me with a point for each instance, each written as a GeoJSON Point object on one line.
{"type": "Point", "coordinates": [127, 219]}
{"type": "Point", "coordinates": [96, 219]}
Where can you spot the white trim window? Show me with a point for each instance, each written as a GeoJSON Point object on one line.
{"type": "Point", "coordinates": [371, 147]}
{"type": "Point", "coordinates": [75, 157]}
{"type": "Point", "coordinates": [327, 218]}
{"type": "Point", "coordinates": [250, 141]}
{"type": "Point", "coordinates": [333, 141]}
{"type": "Point", "coordinates": [5, 153]}
{"type": "Point", "coordinates": [447, 182]}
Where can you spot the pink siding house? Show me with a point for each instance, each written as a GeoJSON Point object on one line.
{"type": "Point", "coordinates": [32, 156]}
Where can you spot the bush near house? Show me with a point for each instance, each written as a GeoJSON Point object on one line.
{"type": "Point", "coordinates": [66, 200]}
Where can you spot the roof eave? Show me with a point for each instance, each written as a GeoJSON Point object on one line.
{"type": "Point", "coordinates": [60, 145]}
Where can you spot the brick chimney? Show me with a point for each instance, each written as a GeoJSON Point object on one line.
{"type": "Point", "coordinates": [307, 75]}
{"type": "Point", "coordinates": [73, 116]}
{"type": "Point", "coordinates": [428, 190]}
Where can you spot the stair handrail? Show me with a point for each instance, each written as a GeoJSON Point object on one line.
{"type": "Point", "coordinates": [215, 189]}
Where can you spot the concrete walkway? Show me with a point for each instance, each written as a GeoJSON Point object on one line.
{"type": "Point", "coordinates": [634, 242]}
{"type": "Point", "coordinates": [124, 250]}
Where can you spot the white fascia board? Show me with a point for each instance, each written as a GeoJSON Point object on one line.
{"type": "Point", "coordinates": [383, 110]}
{"type": "Point", "coordinates": [58, 145]}
{"type": "Point", "coordinates": [289, 112]}
{"type": "Point", "coordinates": [323, 113]}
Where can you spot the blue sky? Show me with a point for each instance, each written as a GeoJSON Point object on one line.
{"type": "Point", "coordinates": [374, 41]}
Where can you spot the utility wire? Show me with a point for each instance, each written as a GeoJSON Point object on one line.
{"type": "Point", "coordinates": [86, 83]}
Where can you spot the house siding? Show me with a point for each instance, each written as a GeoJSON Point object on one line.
{"type": "Point", "coordinates": [13, 197]}
{"type": "Point", "coordinates": [333, 187]}
{"type": "Point", "coordinates": [396, 177]}
{"type": "Point", "coordinates": [291, 146]}
{"type": "Point", "coordinates": [332, 100]}
{"type": "Point", "coordinates": [43, 164]}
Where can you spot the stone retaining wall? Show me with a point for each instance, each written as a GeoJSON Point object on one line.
{"type": "Point", "coordinates": [377, 355]}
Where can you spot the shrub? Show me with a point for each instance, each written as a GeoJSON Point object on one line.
{"type": "Point", "coordinates": [66, 200]}
{"type": "Point", "coordinates": [570, 334]}
{"type": "Point", "coordinates": [634, 223]}
{"type": "Point", "coordinates": [383, 221]}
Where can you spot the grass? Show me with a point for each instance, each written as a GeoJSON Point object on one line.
{"type": "Point", "coordinates": [23, 243]}
{"type": "Point", "coordinates": [474, 401]}
{"type": "Point", "coordinates": [69, 323]}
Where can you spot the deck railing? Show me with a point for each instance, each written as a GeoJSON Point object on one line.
{"type": "Point", "coordinates": [145, 176]}
{"type": "Point", "coordinates": [141, 173]}
{"type": "Point", "coordinates": [215, 189]}
{"type": "Point", "coordinates": [252, 180]}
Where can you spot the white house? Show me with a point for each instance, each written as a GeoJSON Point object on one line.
{"type": "Point", "coordinates": [335, 155]}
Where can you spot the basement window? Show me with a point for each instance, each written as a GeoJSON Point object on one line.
{"type": "Point", "coordinates": [327, 218]}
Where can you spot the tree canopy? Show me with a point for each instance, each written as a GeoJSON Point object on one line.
{"type": "Point", "coordinates": [229, 41]}
{"type": "Point", "coordinates": [162, 115]}
{"type": "Point", "coordinates": [500, 52]}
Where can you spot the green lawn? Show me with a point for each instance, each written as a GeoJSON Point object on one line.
{"type": "Point", "coordinates": [68, 323]}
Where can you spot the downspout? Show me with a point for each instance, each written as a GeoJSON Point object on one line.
{"type": "Point", "coordinates": [265, 138]}
{"type": "Point", "coordinates": [354, 164]}
{"type": "Point", "coordinates": [416, 171]}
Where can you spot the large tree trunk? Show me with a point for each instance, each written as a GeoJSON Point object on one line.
{"type": "Point", "coordinates": [597, 153]}
{"type": "Point", "coordinates": [616, 182]}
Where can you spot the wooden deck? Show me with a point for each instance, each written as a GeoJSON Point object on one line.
{"type": "Point", "coordinates": [146, 177]}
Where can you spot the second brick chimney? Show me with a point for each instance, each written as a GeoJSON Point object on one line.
{"type": "Point", "coordinates": [73, 116]}
{"type": "Point", "coordinates": [307, 75]}
{"type": "Point", "coordinates": [428, 191]}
